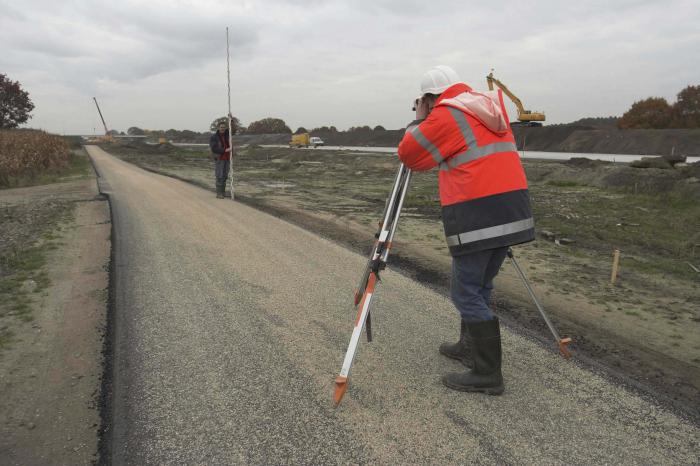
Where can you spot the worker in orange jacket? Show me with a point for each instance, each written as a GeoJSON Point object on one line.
{"type": "Point", "coordinates": [485, 209]}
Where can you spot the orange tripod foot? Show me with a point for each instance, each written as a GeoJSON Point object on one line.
{"type": "Point", "coordinates": [563, 347]}
{"type": "Point", "coordinates": [341, 386]}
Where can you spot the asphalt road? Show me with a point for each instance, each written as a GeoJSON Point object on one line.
{"type": "Point", "coordinates": [231, 325]}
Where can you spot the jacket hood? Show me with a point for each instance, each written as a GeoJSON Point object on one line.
{"type": "Point", "coordinates": [484, 106]}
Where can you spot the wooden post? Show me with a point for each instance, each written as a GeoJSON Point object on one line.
{"type": "Point", "coordinates": [615, 266]}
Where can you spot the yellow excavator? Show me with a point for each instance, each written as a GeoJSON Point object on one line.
{"type": "Point", "coordinates": [525, 117]}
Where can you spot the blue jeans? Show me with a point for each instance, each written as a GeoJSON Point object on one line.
{"type": "Point", "coordinates": [221, 168]}
{"type": "Point", "coordinates": [472, 282]}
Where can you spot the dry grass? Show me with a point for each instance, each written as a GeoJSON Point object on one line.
{"type": "Point", "coordinates": [28, 153]}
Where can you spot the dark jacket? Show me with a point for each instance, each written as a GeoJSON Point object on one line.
{"type": "Point", "coordinates": [217, 148]}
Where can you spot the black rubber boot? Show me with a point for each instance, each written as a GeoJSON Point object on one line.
{"type": "Point", "coordinates": [461, 350]}
{"type": "Point", "coordinates": [220, 190]}
{"type": "Point", "coordinates": [485, 376]}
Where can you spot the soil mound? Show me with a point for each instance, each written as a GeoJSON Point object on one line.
{"type": "Point", "coordinates": [652, 162]}
{"type": "Point", "coordinates": [165, 148]}
{"type": "Point", "coordinates": [588, 139]}
{"type": "Point", "coordinates": [546, 138]}
{"type": "Point", "coordinates": [646, 178]}
{"type": "Point", "coordinates": [584, 162]}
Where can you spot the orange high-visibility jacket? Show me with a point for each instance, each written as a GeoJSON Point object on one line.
{"type": "Point", "coordinates": [483, 190]}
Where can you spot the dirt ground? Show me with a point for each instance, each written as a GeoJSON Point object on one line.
{"type": "Point", "coordinates": [643, 330]}
{"type": "Point", "coordinates": [55, 250]}
{"type": "Point", "coordinates": [574, 138]}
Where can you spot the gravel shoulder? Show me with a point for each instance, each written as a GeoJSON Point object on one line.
{"type": "Point", "coordinates": [53, 317]}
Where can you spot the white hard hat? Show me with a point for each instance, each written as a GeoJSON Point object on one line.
{"type": "Point", "coordinates": [437, 79]}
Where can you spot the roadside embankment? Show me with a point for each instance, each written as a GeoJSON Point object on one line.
{"type": "Point", "coordinates": [54, 257]}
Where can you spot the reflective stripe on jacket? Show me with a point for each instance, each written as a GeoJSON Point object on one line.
{"type": "Point", "coordinates": [483, 190]}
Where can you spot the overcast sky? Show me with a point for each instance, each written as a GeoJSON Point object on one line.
{"type": "Point", "coordinates": [159, 65]}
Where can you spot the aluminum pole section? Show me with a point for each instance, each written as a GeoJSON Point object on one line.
{"type": "Point", "coordinates": [562, 342]}
{"type": "Point", "coordinates": [229, 117]}
{"type": "Point", "coordinates": [370, 277]}
{"type": "Point", "coordinates": [385, 219]}
{"type": "Point", "coordinates": [395, 220]}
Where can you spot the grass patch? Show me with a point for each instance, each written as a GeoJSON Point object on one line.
{"type": "Point", "coordinates": [564, 183]}
{"type": "Point", "coordinates": [6, 337]}
{"type": "Point", "coordinates": [23, 262]}
{"type": "Point", "coordinates": [661, 228]}
{"type": "Point", "coordinates": [74, 142]}
{"type": "Point", "coordinates": [26, 279]}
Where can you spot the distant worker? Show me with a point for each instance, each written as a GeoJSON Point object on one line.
{"type": "Point", "coordinates": [219, 145]}
{"type": "Point", "coordinates": [485, 209]}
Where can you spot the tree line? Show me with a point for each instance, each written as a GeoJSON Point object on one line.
{"type": "Point", "coordinates": [264, 126]}
{"type": "Point", "coordinates": [657, 113]}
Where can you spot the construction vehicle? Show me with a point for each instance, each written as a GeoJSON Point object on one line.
{"type": "Point", "coordinates": [299, 140]}
{"type": "Point", "coordinates": [525, 117]}
{"type": "Point", "coordinates": [111, 137]}
{"type": "Point", "coordinates": [305, 140]}
{"type": "Point", "coordinates": [107, 137]}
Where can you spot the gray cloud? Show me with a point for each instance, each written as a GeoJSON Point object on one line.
{"type": "Point", "coordinates": [121, 41]}
{"type": "Point", "coordinates": [311, 62]}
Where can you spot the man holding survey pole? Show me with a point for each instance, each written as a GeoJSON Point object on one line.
{"type": "Point", "coordinates": [219, 143]}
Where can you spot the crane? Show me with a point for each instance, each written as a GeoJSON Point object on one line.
{"type": "Point", "coordinates": [101, 117]}
{"type": "Point", "coordinates": [107, 137]}
{"type": "Point", "coordinates": [525, 117]}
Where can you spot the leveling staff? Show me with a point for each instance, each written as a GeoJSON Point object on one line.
{"type": "Point", "coordinates": [485, 209]}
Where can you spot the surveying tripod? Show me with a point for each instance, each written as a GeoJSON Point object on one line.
{"type": "Point", "coordinates": [377, 262]}
{"type": "Point", "coordinates": [370, 276]}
